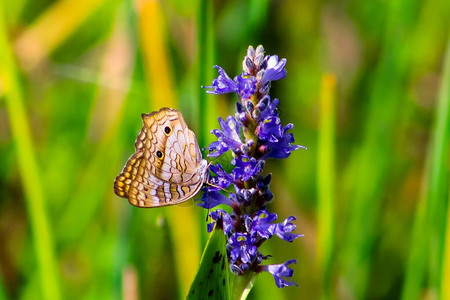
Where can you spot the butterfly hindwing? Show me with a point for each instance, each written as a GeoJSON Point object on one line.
{"type": "Point", "coordinates": [167, 167]}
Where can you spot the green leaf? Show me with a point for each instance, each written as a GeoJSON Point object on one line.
{"type": "Point", "coordinates": [213, 276]}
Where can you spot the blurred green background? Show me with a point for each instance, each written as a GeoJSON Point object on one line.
{"type": "Point", "coordinates": [367, 89]}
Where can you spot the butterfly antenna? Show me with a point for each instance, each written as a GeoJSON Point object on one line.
{"type": "Point", "coordinates": [219, 187]}
{"type": "Point", "coordinates": [207, 215]}
{"type": "Point", "coordinates": [212, 160]}
{"type": "Point", "coordinates": [209, 164]}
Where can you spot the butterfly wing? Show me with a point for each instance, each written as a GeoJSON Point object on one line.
{"type": "Point", "coordinates": [167, 167]}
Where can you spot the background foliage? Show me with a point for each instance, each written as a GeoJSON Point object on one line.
{"type": "Point", "coordinates": [367, 90]}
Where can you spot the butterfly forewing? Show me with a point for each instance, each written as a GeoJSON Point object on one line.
{"type": "Point", "coordinates": [167, 167]}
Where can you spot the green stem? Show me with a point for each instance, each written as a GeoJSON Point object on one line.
{"type": "Point", "coordinates": [241, 285]}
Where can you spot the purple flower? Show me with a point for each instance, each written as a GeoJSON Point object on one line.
{"type": "Point", "coordinates": [284, 230]}
{"type": "Point", "coordinates": [217, 148]}
{"type": "Point", "coordinates": [246, 85]}
{"type": "Point", "coordinates": [261, 225]}
{"type": "Point", "coordinates": [222, 180]}
{"type": "Point", "coordinates": [244, 197]}
{"type": "Point", "coordinates": [246, 167]}
{"type": "Point", "coordinates": [254, 134]}
{"type": "Point", "coordinates": [265, 195]}
{"type": "Point", "coordinates": [270, 130]}
{"type": "Point", "coordinates": [241, 114]}
{"type": "Point", "coordinates": [284, 147]}
{"type": "Point", "coordinates": [228, 138]}
{"type": "Point", "coordinates": [254, 60]}
{"type": "Point", "coordinates": [280, 271]}
{"type": "Point", "coordinates": [276, 142]}
{"type": "Point", "coordinates": [274, 69]}
{"type": "Point", "coordinates": [241, 248]}
{"type": "Point", "coordinates": [222, 84]}
{"type": "Point", "coordinates": [267, 108]}
{"type": "Point", "coordinates": [227, 221]}
{"type": "Point", "coordinates": [212, 198]}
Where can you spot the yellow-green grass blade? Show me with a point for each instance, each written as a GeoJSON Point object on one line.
{"type": "Point", "coordinates": [417, 260]}
{"type": "Point", "coordinates": [51, 29]}
{"type": "Point", "coordinates": [445, 279]}
{"type": "Point", "coordinates": [326, 182]}
{"type": "Point", "coordinates": [184, 221]}
{"type": "Point", "coordinates": [439, 175]}
{"type": "Point", "coordinates": [153, 41]}
{"type": "Point", "coordinates": [28, 167]}
{"type": "Point", "coordinates": [428, 240]}
{"type": "Point", "coordinates": [13, 11]}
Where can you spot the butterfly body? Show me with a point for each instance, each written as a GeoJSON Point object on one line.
{"type": "Point", "coordinates": [167, 167]}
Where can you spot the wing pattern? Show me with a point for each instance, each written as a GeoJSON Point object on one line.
{"type": "Point", "coordinates": [167, 167]}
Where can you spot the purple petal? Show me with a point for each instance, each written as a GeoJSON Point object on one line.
{"type": "Point", "coordinates": [281, 273]}
{"type": "Point", "coordinates": [274, 70]}
{"type": "Point", "coordinates": [222, 84]}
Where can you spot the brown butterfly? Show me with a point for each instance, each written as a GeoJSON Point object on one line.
{"type": "Point", "coordinates": [167, 167]}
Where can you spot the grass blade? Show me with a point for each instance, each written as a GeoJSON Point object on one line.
{"type": "Point", "coordinates": [206, 109]}
{"type": "Point", "coordinates": [445, 279]}
{"type": "Point", "coordinates": [257, 13]}
{"type": "Point", "coordinates": [326, 181]}
{"type": "Point", "coordinates": [28, 168]}
{"type": "Point", "coordinates": [51, 29]}
{"type": "Point", "coordinates": [431, 208]}
{"type": "Point", "coordinates": [438, 184]}
{"type": "Point", "coordinates": [183, 221]}
{"type": "Point", "coordinates": [107, 118]}
{"type": "Point", "coordinates": [370, 166]}
{"type": "Point", "coordinates": [152, 29]}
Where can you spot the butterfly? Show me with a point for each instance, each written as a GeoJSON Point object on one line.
{"type": "Point", "coordinates": [167, 167]}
